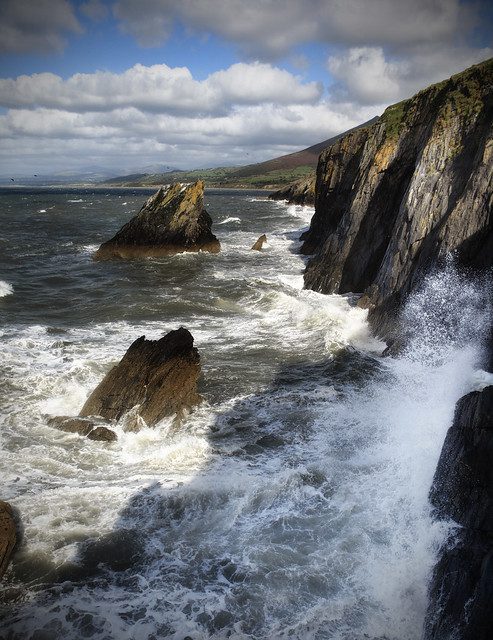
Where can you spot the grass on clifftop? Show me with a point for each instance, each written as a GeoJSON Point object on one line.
{"type": "Point", "coordinates": [463, 95]}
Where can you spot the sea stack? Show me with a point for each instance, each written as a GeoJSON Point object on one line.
{"type": "Point", "coordinates": [171, 221]}
{"type": "Point", "coordinates": [158, 377]}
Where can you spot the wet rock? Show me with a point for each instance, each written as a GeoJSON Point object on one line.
{"type": "Point", "coordinates": [299, 192]}
{"type": "Point", "coordinates": [82, 426]}
{"type": "Point", "coordinates": [171, 221]}
{"type": "Point", "coordinates": [8, 536]}
{"type": "Point", "coordinates": [393, 198]}
{"type": "Point", "coordinates": [102, 434]}
{"type": "Point", "coordinates": [159, 375]}
{"type": "Point", "coordinates": [259, 243]}
{"type": "Point", "coordinates": [462, 586]}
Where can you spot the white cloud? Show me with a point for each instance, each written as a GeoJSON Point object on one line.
{"type": "Point", "coordinates": [159, 88]}
{"type": "Point", "coordinates": [367, 76]}
{"type": "Point", "coordinates": [36, 26]}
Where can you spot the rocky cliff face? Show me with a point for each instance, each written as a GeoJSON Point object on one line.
{"type": "Point", "coordinates": [171, 221]}
{"type": "Point", "coordinates": [300, 192]}
{"type": "Point", "coordinates": [396, 196]}
{"type": "Point", "coordinates": [392, 200]}
{"type": "Point", "coordinates": [462, 588]}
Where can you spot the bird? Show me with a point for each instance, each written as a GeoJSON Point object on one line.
{"type": "Point", "coordinates": [12, 179]}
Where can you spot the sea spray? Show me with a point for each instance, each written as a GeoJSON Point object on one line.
{"type": "Point", "coordinates": [291, 504]}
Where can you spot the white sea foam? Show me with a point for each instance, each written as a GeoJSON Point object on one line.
{"type": "Point", "coordinates": [6, 289]}
{"type": "Point", "coordinates": [293, 503]}
{"type": "Point", "coordinates": [226, 220]}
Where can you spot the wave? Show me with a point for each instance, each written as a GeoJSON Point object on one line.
{"type": "Point", "coordinates": [226, 220]}
{"type": "Point", "coordinates": [6, 289]}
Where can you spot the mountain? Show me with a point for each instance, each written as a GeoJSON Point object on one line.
{"type": "Point", "coordinates": [391, 201]}
{"type": "Point", "coordinates": [271, 174]}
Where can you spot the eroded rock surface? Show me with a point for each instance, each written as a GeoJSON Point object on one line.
{"type": "Point", "coordinates": [171, 221]}
{"type": "Point", "coordinates": [158, 375]}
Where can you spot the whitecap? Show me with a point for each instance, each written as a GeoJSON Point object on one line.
{"type": "Point", "coordinates": [226, 220]}
{"type": "Point", "coordinates": [80, 200]}
{"type": "Point", "coordinates": [6, 289]}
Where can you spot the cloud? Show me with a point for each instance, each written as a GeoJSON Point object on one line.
{"type": "Point", "coordinates": [367, 76]}
{"type": "Point", "coordinates": [159, 88]}
{"type": "Point", "coordinates": [94, 10]}
{"type": "Point", "coordinates": [163, 114]}
{"type": "Point", "coordinates": [36, 26]}
{"type": "Point", "coordinates": [270, 29]}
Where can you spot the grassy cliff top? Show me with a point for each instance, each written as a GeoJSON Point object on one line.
{"type": "Point", "coordinates": [463, 94]}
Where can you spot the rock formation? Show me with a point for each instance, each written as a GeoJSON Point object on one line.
{"type": "Point", "coordinates": [299, 192]}
{"type": "Point", "coordinates": [394, 197]}
{"type": "Point", "coordinates": [462, 587]}
{"type": "Point", "coordinates": [158, 375]}
{"type": "Point", "coordinates": [259, 243]}
{"type": "Point", "coordinates": [8, 536]}
{"type": "Point", "coordinates": [171, 221]}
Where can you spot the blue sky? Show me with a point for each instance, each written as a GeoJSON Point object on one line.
{"type": "Point", "coordinates": [128, 83]}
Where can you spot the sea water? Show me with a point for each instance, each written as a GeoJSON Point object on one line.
{"type": "Point", "coordinates": [293, 503]}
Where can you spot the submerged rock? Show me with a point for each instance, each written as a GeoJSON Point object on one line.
{"type": "Point", "coordinates": [8, 537]}
{"type": "Point", "coordinates": [259, 243]}
{"type": "Point", "coordinates": [84, 427]}
{"type": "Point", "coordinates": [171, 221]}
{"type": "Point", "coordinates": [299, 192]}
{"type": "Point", "coordinates": [158, 375]}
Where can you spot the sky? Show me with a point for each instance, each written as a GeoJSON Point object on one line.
{"type": "Point", "coordinates": [130, 84]}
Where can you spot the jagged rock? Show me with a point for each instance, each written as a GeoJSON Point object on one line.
{"type": "Point", "coordinates": [82, 426]}
{"type": "Point", "coordinates": [394, 197]}
{"type": "Point", "coordinates": [159, 375]}
{"type": "Point", "coordinates": [102, 434]}
{"type": "Point", "coordinates": [8, 536]}
{"type": "Point", "coordinates": [259, 243]}
{"type": "Point", "coordinates": [462, 587]}
{"type": "Point", "coordinates": [171, 221]}
{"type": "Point", "coordinates": [299, 192]}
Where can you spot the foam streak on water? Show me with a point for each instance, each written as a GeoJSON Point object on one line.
{"type": "Point", "coordinates": [291, 504]}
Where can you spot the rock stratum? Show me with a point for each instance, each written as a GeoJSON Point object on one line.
{"type": "Point", "coordinates": [392, 199]}
{"type": "Point", "coordinates": [395, 197]}
{"type": "Point", "coordinates": [171, 221]}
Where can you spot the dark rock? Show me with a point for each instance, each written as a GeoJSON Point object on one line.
{"type": "Point", "coordinates": [259, 243]}
{"type": "Point", "coordinates": [8, 537]}
{"type": "Point", "coordinates": [159, 375]}
{"type": "Point", "coordinates": [82, 426]}
{"type": "Point", "coordinates": [395, 197]}
{"type": "Point", "coordinates": [299, 192]}
{"type": "Point", "coordinates": [171, 221]}
{"type": "Point", "coordinates": [102, 434]}
{"type": "Point", "coordinates": [462, 587]}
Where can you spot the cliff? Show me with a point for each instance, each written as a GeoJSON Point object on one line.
{"type": "Point", "coordinates": [300, 192]}
{"type": "Point", "coordinates": [395, 197]}
{"type": "Point", "coordinates": [392, 200]}
{"type": "Point", "coordinates": [171, 221]}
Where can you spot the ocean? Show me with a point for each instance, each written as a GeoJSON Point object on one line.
{"type": "Point", "coordinates": [292, 503]}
